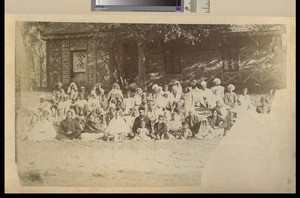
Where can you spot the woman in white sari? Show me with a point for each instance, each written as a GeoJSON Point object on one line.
{"type": "Point", "coordinates": [118, 128]}
{"type": "Point", "coordinates": [177, 91]}
{"type": "Point", "coordinates": [115, 93]}
{"type": "Point", "coordinates": [72, 91]}
{"type": "Point", "coordinates": [43, 130]}
{"type": "Point", "coordinates": [138, 97]}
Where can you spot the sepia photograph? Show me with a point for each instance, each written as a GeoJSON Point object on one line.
{"type": "Point", "coordinates": [116, 104]}
{"type": "Point", "coordinates": [151, 107]}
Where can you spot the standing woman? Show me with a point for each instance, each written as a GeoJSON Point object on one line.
{"type": "Point", "coordinates": [176, 94]}
{"type": "Point", "coordinates": [115, 93]}
{"type": "Point", "coordinates": [218, 91]}
{"type": "Point", "coordinates": [72, 92]}
{"type": "Point", "coordinates": [188, 100]}
{"type": "Point", "coordinates": [138, 97]}
{"type": "Point", "coordinates": [177, 91]}
{"type": "Point", "coordinates": [155, 90]}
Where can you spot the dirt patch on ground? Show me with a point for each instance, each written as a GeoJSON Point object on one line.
{"type": "Point", "coordinates": [113, 164]}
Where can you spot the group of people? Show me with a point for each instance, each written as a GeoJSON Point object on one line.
{"type": "Point", "coordinates": [193, 111]}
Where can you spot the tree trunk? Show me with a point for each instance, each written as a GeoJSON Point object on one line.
{"type": "Point", "coordinates": [141, 66]}
{"type": "Point", "coordinates": [112, 63]}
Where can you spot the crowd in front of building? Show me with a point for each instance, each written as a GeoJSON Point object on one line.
{"type": "Point", "coordinates": [165, 112]}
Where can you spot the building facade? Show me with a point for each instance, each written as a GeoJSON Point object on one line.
{"type": "Point", "coordinates": [239, 57]}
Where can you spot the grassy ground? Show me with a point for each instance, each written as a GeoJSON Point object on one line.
{"type": "Point", "coordinates": [118, 164]}
{"type": "Point", "coordinates": [121, 164]}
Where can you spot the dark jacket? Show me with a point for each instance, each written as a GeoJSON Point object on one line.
{"type": "Point", "coordinates": [194, 123]}
{"type": "Point", "coordinates": [137, 123]}
{"type": "Point", "coordinates": [72, 125]}
{"type": "Point", "coordinates": [160, 128]}
{"type": "Point", "coordinates": [213, 122]}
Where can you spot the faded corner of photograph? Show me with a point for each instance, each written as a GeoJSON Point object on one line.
{"type": "Point", "coordinates": [138, 105]}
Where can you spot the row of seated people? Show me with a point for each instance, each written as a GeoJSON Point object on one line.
{"type": "Point", "coordinates": [209, 109]}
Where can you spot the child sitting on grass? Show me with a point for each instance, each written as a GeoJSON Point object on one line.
{"type": "Point", "coordinates": [142, 132]}
{"type": "Point", "coordinates": [186, 133]}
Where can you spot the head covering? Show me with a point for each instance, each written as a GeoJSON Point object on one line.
{"type": "Point", "coordinates": [73, 112]}
{"type": "Point", "coordinates": [138, 89]}
{"type": "Point", "coordinates": [154, 86]}
{"type": "Point", "coordinates": [72, 84]}
{"type": "Point", "coordinates": [203, 83]}
{"type": "Point", "coordinates": [93, 91]}
{"type": "Point", "coordinates": [217, 81]}
{"type": "Point", "coordinates": [188, 88]}
{"type": "Point", "coordinates": [231, 86]}
{"type": "Point", "coordinates": [93, 94]}
{"type": "Point", "coordinates": [117, 86]}
{"type": "Point", "coordinates": [177, 82]}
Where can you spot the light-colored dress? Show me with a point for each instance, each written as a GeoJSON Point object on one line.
{"type": "Point", "coordinates": [128, 104]}
{"type": "Point", "coordinates": [218, 94]}
{"type": "Point", "coordinates": [188, 102]}
{"type": "Point", "coordinates": [143, 134]}
{"type": "Point", "coordinates": [206, 97]}
{"type": "Point", "coordinates": [65, 105]}
{"type": "Point", "coordinates": [43, 130]}
{"type": "Point", "coordinates": [118, 128]}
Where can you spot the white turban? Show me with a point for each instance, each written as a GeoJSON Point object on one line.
{"type": "Point", "coordinates": [217, 81]}
{"type": "Point", "coordinates": [203, 83]}
{"type": "Point", "coordinates": [231, 86]}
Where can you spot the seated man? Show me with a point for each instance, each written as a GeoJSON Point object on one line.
{"type": "Point", "coordinates": [230, 98]}
{"type": "Point", "coordinates": [160, 129]}
{"type": "Point", "coordinates": [216, 122]}
{"type": "Point", "coordinates": [194, 122]}
{"type": "Point", "coordinates": [69, 128]}
{"type": "Point", "coordinates": [221, 109]}
{"type": "Point", "coordinates": [137, 122]}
